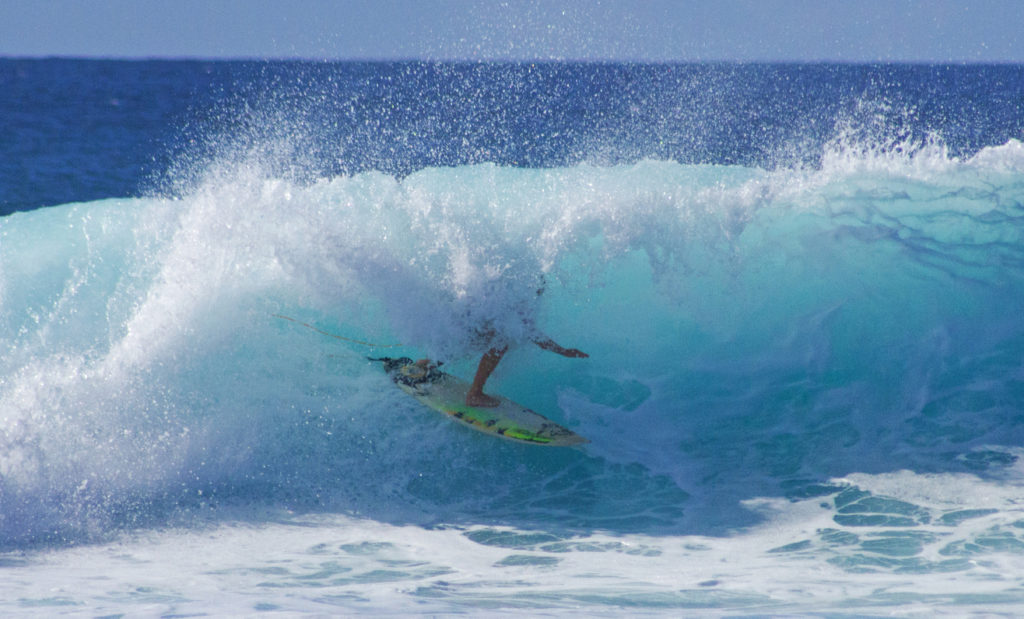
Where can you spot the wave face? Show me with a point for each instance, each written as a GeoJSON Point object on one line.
{"type": "Point", "coordinates": [752, 333]}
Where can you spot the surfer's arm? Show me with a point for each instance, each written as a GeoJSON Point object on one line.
{"type": "Point", "coordinates": [549, 344]}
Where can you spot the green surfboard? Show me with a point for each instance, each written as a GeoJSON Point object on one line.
{"type": "Point", "coordinates": [447, 394]}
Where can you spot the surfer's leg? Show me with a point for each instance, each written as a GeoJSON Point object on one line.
{"type": "Point", "coordinates": [476, 396]}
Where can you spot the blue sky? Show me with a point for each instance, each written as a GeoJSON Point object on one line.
{"type": "Point", "coordinates": [645, 30]}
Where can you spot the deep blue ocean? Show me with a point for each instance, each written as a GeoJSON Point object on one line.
{"type": "Point", "coordinates": [801, 288]}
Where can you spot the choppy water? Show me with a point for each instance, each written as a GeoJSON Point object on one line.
{"type": "Point", "coordinates": [804, 390]}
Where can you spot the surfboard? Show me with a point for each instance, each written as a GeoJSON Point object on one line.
{"type": "Point", "coordinates": [447, 394]}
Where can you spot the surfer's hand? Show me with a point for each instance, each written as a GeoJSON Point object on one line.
{"type": "Point", "coordinates": [572, 352]}
{"type": "Point", "coordinates": [549, 344]}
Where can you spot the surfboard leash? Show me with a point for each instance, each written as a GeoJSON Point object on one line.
{"type": "Point", "coordinates": [334, 335]}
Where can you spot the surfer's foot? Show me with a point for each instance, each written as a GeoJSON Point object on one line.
{"type": "Point", "coordinates": [481, 399]}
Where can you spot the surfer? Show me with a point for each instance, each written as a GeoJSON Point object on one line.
{"type": "Point", "coordinates": [486, 336]}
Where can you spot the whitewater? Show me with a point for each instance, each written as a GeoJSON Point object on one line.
{"type": "Point", "coordinates": [806, 375]}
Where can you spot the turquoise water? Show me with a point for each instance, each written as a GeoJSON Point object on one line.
{"type": "Point", "coordinates": [835, 350]}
